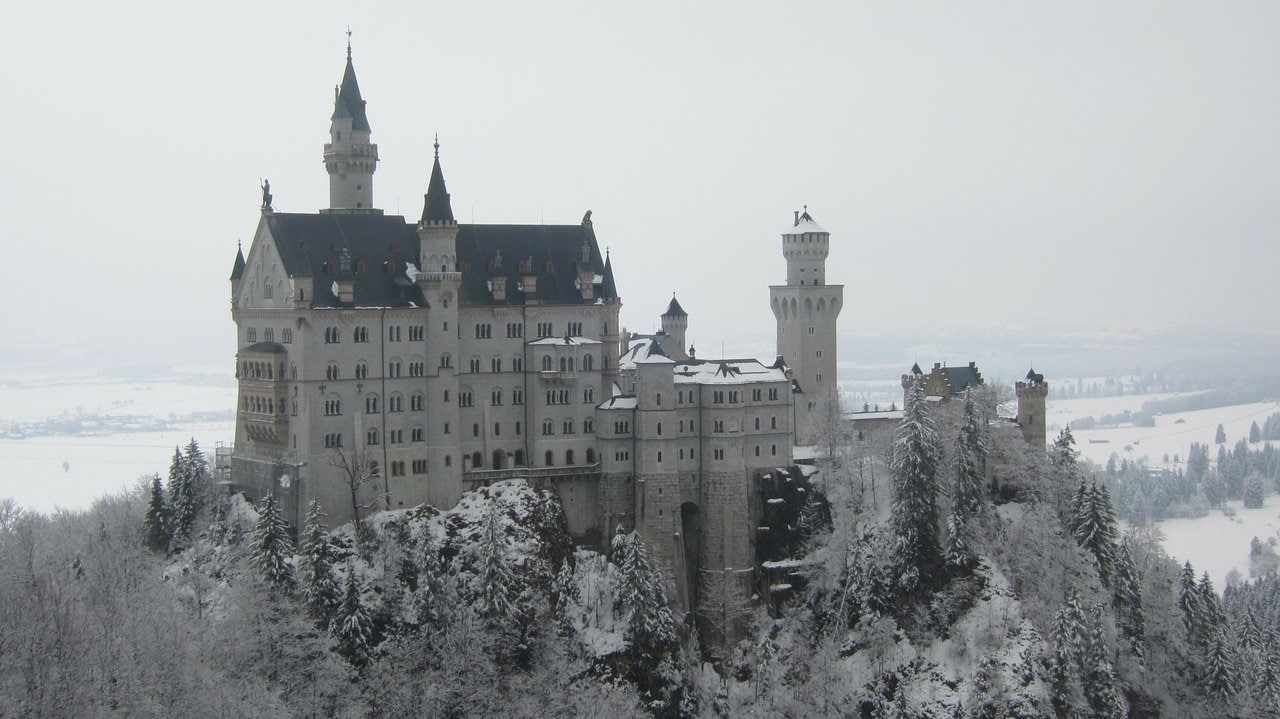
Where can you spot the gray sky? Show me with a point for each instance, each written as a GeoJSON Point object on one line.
{"type": "Point", "coordinates": [1089, 165]}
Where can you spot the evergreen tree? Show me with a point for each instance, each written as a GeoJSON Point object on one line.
{"type": "Point", "coordinates": [352, 627]}
{"type": "Point", "coordinates": [967, 492]}
{"type": "Point", "coordinates": [1096, 529]}
{"type": "Point", "coordinates": [1220, 437]}
{"type": "Point", "coordinates": [1215, 617]}
{"type": "Point", "coordinates": [1098, 676]}
{"type": "Point", "coordinates": [1255, 433]}
{"type": "Point", "coordinates": [180, 516]}
{"type": "Point", "coordinates": [1064, 660]}
{"type": "Point", "coordinates": [428, 599]}
{"type": "Point", "coordinates": [1130, 614]}
{"type": "Point", "coordinates": [1254, 491]}
{"type": "Point", "coordinates": [915, 517]}
{"type": "Point", "coordinates": [1221, 673]}
{"type": "Point", "coordinates": [1193, 613]}
{"type": "Point", "coordinates": [271, 544]}
{"type": "Point", "coordinates": [496, 590]}
{"type": "Point", "coordinates": [155, 525]}
{"type": "Point", "coordinates": [319, 585]}
{"type": "Point", "coordinates": [649, 626]}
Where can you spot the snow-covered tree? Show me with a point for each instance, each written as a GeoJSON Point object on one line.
{"type": "Point", "coordinates": [1255, 433]}
{"type": "Point", "coordinates": [1220, 436]}
{"type": "Point", "coordinates": [1254, 491]}
{"type": "Point", "coordinates": [967, 491]}
{"type": "Point", "coordinates": [1066, 652]}
{"type": "Point", "coordinates": [649, 625]}
{"type": "Point", "coordinates": [271, 551]}
{"type": "Point", "coordinates": [1221, 670]}
{"type": "Point", "coordinates": [320, 587]}
{"type": "Point", "coordinates": [915, 518]}
{"type": "Point", "coordinates": [352, 626]}
{"type": "Point", "coordinates": [1127, 597]}
{"type": "Point", "coordinates": [155, 525]}
{"type": "Point", "coordinates": [1096, 530]}
{"type": "Point", "coordinates": [496, 589]}
{"type": "Point", "coordinates": [1098, 675]}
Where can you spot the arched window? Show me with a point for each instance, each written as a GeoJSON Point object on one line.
{"type": "Point", "coordinates": [371, 404]}
{"type": "Point", "coordinates": [477, 460]}
{"type": "Point", "coordinates": [372, 437]}
{"type": "Point", "coordinates": [551, 460]}
{"type": "Point", "coordinates": [587, 363]}
{"type": "Point", "coordinates": [546, 363]}
{"type": "Point", "coordinates": [757, 450]}
{"type": "Point", "coordinates": [547, 427]}
{"type": "Point", "coordinates": [591, 456]}
{"type": "Point", "coordinates": [497, 459]}
{"type": "Point", "coordinates": [659, 455]}
{"type": "Point", "coordinates": [568, 426]}
{"type": "Point", "coordinates": [568, 457]}
{"type": "Point", "coordinates": [659, 429]}
{"type": "Point", "coordinates": [564, 363]}
{"type": "Point", "coordinates": [446, 360]}
{"type": "Point", "coordinates": [519, 457]}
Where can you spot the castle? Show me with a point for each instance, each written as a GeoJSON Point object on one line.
{"type": "Point", "coordinates": [384, 363]}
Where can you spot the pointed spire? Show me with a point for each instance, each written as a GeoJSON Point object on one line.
{"type": "Point", "coordinates": [607, 288]}
{"type": "Point", "coordinates": [674, 309]}
{"type": "Point", "coordinates": [237, 270]}
{"type": "Point", "coordinates": [349, 104]}
{"type": "Point", "coordinates": [436, 207]}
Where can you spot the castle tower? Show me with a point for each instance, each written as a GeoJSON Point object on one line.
{"type": "Point", "coordinates": [675, 321]}
{"type": "Point", "coordinates": [806, 309]}
{"type": "Point", "coordinates": [349, 157]}
{"type": "Point", "coordinates": [1031, 408]}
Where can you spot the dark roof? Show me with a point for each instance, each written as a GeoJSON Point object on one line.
{"type": "Point", "coordinates": [674, 309]}
{"type": "Point", "coordinates": [266, 348]}
{"type": "Point", "coordinates": [316, 245]}
{"type": "Point", "coordinates": [237, 270]}
{"type": "Point", "coordinates": [961, 378]}
{"type": "Point", "coordinates": [608, 288]}
{"type": "Point", "coordinates": [435, 205]}
{"type": "Point", "coordinates": [349, 104]}
{"type": "Point", "coordinates": [915, 369]}
{"type": "Point", "coordinates": [1035, 377]}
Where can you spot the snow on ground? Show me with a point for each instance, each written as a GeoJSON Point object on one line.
{"type": "Point", "coordinates": [1217, 543]}
{"type": "Point", "coordinates": [32, 470]}
{"type": "Point", "coordinates": [36, 397]}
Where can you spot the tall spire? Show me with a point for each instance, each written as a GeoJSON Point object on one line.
{"type": "Point", "coordinates": [349, 104]}
{"type": "Point", "coordinates": [350, 157]}
{"type": "Point", "coordinates": [436, 207]}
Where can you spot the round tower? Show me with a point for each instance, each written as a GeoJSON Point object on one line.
{"type": "Point", "coordinates": [349, 157]}
{"type": "Point", "coordinates": [675, 323]}
{"type": "Point", "coordinates": [1032, 393]}
{"type": "Point", "coordinates": [807, 308]}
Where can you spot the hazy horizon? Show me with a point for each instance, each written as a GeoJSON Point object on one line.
{"type": "Point", "coordinates": [1085, 168]}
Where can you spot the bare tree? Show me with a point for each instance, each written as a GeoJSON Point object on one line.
{"type": "Point", "coordinates": [830, 430]}
{"type": "Point", "coordinates": [357, 470]}
{"type": "Point", "coordinates": [723, 607]}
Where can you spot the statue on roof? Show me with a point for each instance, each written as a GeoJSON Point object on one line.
{"type": "Point", "coordinates": [266, 194]}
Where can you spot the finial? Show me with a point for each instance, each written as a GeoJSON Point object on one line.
{"type": "Point", "coordinates": [437, 146]}
{"type": "Point", "coordinates": [348, 42]}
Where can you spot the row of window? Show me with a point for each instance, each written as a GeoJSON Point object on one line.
{"type": "Point", "coordinates": [568, 426]}
{"type": "Point", "coordinates": [269, 335]}
{"type": "Point", "coordinates": [719, 396]}
{"type": "Point", "coordinates": [262, 405]}
{"type": "Point", "coordinates": [259, 370]}
{"type": "Point", "coordinates": [333, 335]}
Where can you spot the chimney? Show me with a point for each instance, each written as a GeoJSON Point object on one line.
{"type": "Point", "coordinates": [796, 221]}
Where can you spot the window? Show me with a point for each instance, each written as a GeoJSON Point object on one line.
{"type": "Point", "coordinates": [568, 426]}
{"type": "Point", "coordinates": [293, 371]}
{"type": "Point", "coordinates": [719, 454]}
{"type": "Point", "coordinates": [682, 454]}
{"type": "Point", "coordinates": [773, 449]}
{"type": "Point", "coordinates": [588, 425]}
{"type": "Point", "coordinates": [550, 459]}
{"type": "Point", "coordinates": [268, 335]}
{"type": "Point", "coordinates": [659, 429]}
{"type": "Point", "coordinates": [477, 461]}
{"type": "Point", "coordinates": [659, 458]}
{"type": "Point", "coordinates": [446, 395]}
{"type": "Point", "coordinates": [545, 329]}
{"type": "Point", "coordinates": [417, 368]}
{"type": "Point", "coordinates": [416, 401]}
{"type": "Point", "coordinates": [495, 398]}
{"type": "Point", "coordinates": [419, 466]}
{"type": "Point", "coordinates": [518, 429]}
{"type": "Point", "coordinates": [464, 399]}
{"type": "Point", "coordinates": [548, 428]}
{"type": "Point", "coordinates": [252, 334]}
{"type": "Point", "coordinates": [448, 460]}
{"type": "Point", "coordinates": [519, 457]}
{"type": "Point", "coordinates": [717, 426]}
{"type": "Point", "coordinates": [517, 396]}
{"type": "Point", "coordinates": [484, 331]}
{"type": "Point", "coordinates": [475, 429]}
{"type": "Point", "coordinates": [621, 427]}
{"type": "Point", "coordinates": [331, 335]}
{"type": "Point", "coordinates": [446, 360]}
{"type": "Point", "coordinates": [810, 329]}
{"type": "Point", "coordinates": [474, 364]}
{"type": "Point", "coordinates": [362, 370]}
{"type": "Point", "coordinates": [588, 395]}
{"type": "Point", "coordinates": [395, 436]}
{"type": "Point", "coordinates": [717, 397]}
{"type": "Point", "coordinates": [757, 450]}
{"type": "Point", "coordinates": [361, 334]}
{"type": "Point", "coordinates": [371, 438]}
{"type": "Point", "coordinates": [733, 396]}
{"type": "Point", "coordinates": [657, 400]}
{"type": "Point", "coordinates": [546, 363]}
{"type": "Point", "coordinates": [588, 363]}
{"type": "Point", "coordinates": [393, 368]}
{"type": "Point", "coordinates": [268, 290]}
{"type": "Point", "coordinates": [757, 423]}
{"type": "Point", "coordinates": [575, 329]}
{"type": "Point", "coordinates": [333, 440]}
{"type": "Point", "coordinates": [416, 333]}
{"type": "Point", "coordinates": [495, 364]}
{"type": "Point", "coordinates": [773, 395]}
{"type": "Point", "coordinates": [371, 404]}
{"type": "Point", "coordinates": [331, 371]}
{"type": "Point", "coordinates": [497, 429]}
{"type": "Point", "coordinates": [682, 426]}
{"type": "Point", "coordinates": [417, 434]}
{"type": "Point", "coordinates": [446, 431]}
{"type": "Point", "coordinates": [395, 403]}
{"type": "Point", "coordinates": [517, 364]}
{"type": "Point", "coordinates": [286, 335]}
{"type": "Point", "coordinates": [393, 333]}
{"type": "Point", "coordinates": [773, 423]}
{"type": "Point", "coordinates": [515, 329]}
{"type": "Point", "coordinates": [591, 456]}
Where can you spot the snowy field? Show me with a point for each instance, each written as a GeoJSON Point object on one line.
{"type": "Point", "coordinates": [70, 471]}
{"type": "Point", "coordinates": [1217, 543]}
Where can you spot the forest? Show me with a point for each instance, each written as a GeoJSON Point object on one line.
{"type": "Point", "coordinates": [980, 579]}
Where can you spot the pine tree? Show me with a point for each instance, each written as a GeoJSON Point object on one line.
{"type": "Point", "coordinates": [1215, 617]}
{"type": "Point", "coordinates": [320, 587]}
{"type": "Point", "coordinates": [429, 597]}
{"type": "Point", "coordinates": [1064, 660]}
{"type": "Point", "coordinates": [649, 626]}
{"type": "Point", "coordinates": [1099, 681]}
{"type": "Point", "coordinates": [915, 517]}
{"type": "Point", "coordinates": [495, 591]}
{"type": "Point", "coordinates": [1220, 437]}
{"type": "Point", "coordinates": [1096, 529]}
{"type": "Point", "coordinates": [271, 544]}
{"type": "Point", "coordinates": [155, 525]}
{"type": "Point", "coordinates": [1254, 491]}
{"type": "Point", "coordinates": [967, 493]}
{"type": "Point", "coordinates": [180, 517]}
{"type": "Point", "coordinates": [352, 627]}
{"type": "Point", "coordinates": [1079, 509]}
{"type": "Point", "coordinates": [1221, 673]}
{"type": "Point", "coordinates": [1130, 614]}
{"type": "Point", "coordinates": [1255, 433]}
{"type": "Point", "coordinates": [1193, 613]}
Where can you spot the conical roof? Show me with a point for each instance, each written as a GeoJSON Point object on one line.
{"type": "Point", "coordinates": [349, 104]}
{"type": "Point", "coordinates": [436, 207]}
{"type": "Point", "coordinates": [237, 270]}
{"type": "Point", "coordinates": [674, 309]}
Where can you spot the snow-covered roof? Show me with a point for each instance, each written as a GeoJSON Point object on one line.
{"type": "Point", "coordinates": [885, 414]}
{"type": "Point", "coordinates": [571, 341]}
{"type": "Point", "coordinates": [623, 401]}
{"type": "Point", "coordinates": [804, 226]}
{"type": "Point", "coordinates": [639, 346]}
{"type": "Point", "coordinates": [730, 371]}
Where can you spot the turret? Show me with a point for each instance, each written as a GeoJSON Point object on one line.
{"type": "Point", "coordinates": [806, 246]}
{"type": "Point", "coordinates": [437, 230]}
{"type": "Point", "coordinates": [1032, 393]}
{"type": "Point", "coordinates": [675, 323]}
{"type": "Point", "coordinates": [349, 157]}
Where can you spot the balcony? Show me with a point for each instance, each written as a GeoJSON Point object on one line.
{"type": "Point", "coordinates": [487, 476]}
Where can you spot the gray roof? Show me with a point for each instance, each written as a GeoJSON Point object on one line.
{"type": "Point", "coordinates": [349, 104]}
{"type": "Point", "coordinates": [435, 205]}
{"type": "Point", "coordinates": [674, 309]}
{"type": "Point", "coordinates": [373, 250]}
{"type": "Point", "coordinates": [267, 348]}
{"type": "Point", "coordinates": [237, 269]}
{"type": "Point", "coordinates": [960, 379]}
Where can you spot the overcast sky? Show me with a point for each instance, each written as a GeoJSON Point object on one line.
{"type": "Point", "coordinates": [1066, 164]}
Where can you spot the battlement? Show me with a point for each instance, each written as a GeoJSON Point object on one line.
{"type": "Point", "coordinates": [1031, 389]}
